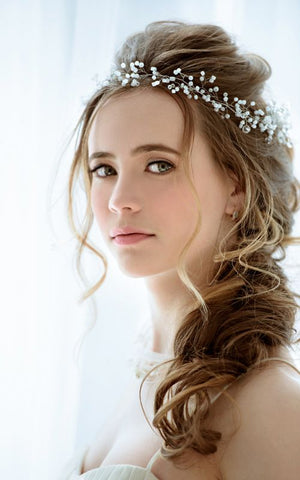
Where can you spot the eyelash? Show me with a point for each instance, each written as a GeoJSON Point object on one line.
{"type": "Point", "coordinates": [94, 170]}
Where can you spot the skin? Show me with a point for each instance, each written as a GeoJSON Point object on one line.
{"type": "Point", "coordinates": [135, 193]}
{"type": "Point", "coordinates": [158, 199]}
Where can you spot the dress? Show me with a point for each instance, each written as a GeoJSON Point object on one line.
{"type": "Point", "coordinates": [72, 470]}
{"type": "Point", "coordinates": [146, 358]}
{"type": "Point", "coordinates": [142, 358]}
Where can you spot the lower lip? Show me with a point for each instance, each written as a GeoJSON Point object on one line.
{"type": "Point", "coordinates": [129, 239]}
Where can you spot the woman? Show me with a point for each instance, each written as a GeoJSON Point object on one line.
{"type": "Point", "coordinates": [188, 174]}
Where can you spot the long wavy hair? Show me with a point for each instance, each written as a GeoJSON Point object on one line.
{"type": "Point", "coordinates": [247, 310]}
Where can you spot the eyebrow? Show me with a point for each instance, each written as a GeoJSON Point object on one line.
{"type": "Point", "coordinates": [150, 147]}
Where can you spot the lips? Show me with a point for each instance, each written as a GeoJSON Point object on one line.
{"type": "Point", "coordinates": [128, 230]}
{"type": "Point", "coordinates": [131, 238]}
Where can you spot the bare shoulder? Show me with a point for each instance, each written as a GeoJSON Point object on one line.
{"type": "Point", "coordinates": [264, 442]}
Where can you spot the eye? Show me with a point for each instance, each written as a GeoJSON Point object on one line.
{"type": "Point", "coordinates": [105, 171]}
{"type": "Point", "coordinates": [162, 165]}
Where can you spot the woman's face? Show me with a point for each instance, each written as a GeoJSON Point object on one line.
{"type": "Point", "coordinates": [145, 188]}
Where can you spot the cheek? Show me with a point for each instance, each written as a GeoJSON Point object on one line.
{"type": "Point", "coordinates": [99, 205]}
{"type": "Point", "coordinates": [178, 211]}
{"type": "Point", "coordinates": [212, 191]}
{"type": "Point", "coordinates": [212, 196]}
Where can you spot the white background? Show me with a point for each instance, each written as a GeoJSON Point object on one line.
{"type": "Point", "coordinates": [52, 400]}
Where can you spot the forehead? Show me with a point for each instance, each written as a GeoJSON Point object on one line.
{"type": "Point", "coordinates": [140, 115]}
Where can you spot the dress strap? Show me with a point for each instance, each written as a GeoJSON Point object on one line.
{"type": "Point", "coordinates": [152, 459]}
{"type": "Point", "coordinates": [157, 453]}
{"type": "Point", "coordinates": [220, 393]}
{"type": "Point", "coordinates": [279, 359]}
{"type": "Point", "coordinates": [284, 361]}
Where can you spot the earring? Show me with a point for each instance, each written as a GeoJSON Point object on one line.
{"type": "Point", "coordinates": [235, 215]}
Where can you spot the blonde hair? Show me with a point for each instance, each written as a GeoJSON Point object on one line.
{"type": "Point", "coordinates": [248, 309]}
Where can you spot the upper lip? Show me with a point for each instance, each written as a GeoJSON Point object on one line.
{"type": "Point", "coordinates": [127, 230]}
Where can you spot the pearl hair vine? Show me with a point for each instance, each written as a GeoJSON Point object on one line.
{"type": "Point", "coordinates": [274, 121]}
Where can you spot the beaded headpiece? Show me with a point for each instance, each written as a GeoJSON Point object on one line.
{"type": "Point", "coordinates": [274, 121]}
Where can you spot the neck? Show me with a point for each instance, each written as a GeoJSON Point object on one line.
{"type": "Point", "coordinates": [169, 300]}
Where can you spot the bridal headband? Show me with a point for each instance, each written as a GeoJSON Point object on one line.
{"type": "Point", "coordinates": [274, 121]}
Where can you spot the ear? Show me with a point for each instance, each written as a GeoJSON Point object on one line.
{"type": "Point", "coordinates": [236, 196]}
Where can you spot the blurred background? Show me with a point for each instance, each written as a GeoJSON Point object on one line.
{"type": "Point", "coordinates": [55, 396]}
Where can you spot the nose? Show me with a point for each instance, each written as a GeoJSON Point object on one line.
{"type": "Point", "coordinates": [125, 195]}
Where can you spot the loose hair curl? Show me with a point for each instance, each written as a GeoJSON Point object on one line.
{"type": "Point", "coordinates": [247, 310]}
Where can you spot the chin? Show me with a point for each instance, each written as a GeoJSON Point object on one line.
{"type": "Point", "coordinates": [135, 271]}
